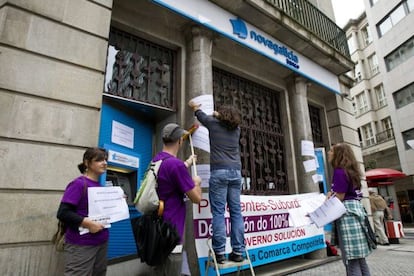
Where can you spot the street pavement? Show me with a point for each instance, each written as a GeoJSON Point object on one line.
{"type": "Point", "coordinates": [393, 260]}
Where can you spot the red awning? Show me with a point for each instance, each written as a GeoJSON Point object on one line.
{"type": "Point", "coordinates": [383, 174]}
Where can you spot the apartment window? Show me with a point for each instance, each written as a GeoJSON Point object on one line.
{"type": "Point", "coordinates": [410, 4]}
{"type": "Point", "coordinates": [401, 54]}
{"type": "Point", "coordinates": [408, 135]}
{"type": "Point", "coordinates": [366, 35]}
{"type": "Point", "coordinates": [380, 93]}
{"type": "Point", "coordinates": [385, 26]}
{"type": "Point", "coordinates": [395, 16]}
{"type": "Point", "coordinates": [387, 132]}
{"type": "Point", "coordinates": [404, 96]}
{"type": "Point", "coordinates": [373, 64]}
{"type": "Point", "coordinates": [387, 126]}
{"type": "Point", "coordinates": [368, 135]}
{"type": "Point", "coordinates": [362, 103]}
{"type": "Point", "coordinates": [386, 123]}
{"type": "Point", "coordinates": [352, 45]}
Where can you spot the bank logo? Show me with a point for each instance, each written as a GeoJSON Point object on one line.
{"type": "Point", "coordinates": [253, 36]}
{"type": "Point", "coordinates": [239, 28]}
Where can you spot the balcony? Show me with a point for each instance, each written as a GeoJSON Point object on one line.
{"type": "Point", "coordinates": [385, 136]}
{"type": "Point", "coordinates": [380, 138]}
{"type": "Point", "coordinates": [314, 20]}
{"type": "Point", "coordinates": [301, 26]}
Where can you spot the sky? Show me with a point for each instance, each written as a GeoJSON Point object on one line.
{"type": "Point", "coordinates": [345, 10]}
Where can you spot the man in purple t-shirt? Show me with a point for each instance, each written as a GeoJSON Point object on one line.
{"type": "Point", "coordinates": [174, 182]}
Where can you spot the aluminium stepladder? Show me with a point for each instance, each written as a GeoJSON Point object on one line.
{"type": "Point", "coordinates": [211, 261]}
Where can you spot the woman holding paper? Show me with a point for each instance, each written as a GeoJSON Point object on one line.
{"type": "Point", "coordinates": [349, 229]}
{"type": "Point", "coordinates": [84, 254]}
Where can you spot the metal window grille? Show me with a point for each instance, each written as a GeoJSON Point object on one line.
{"type": "Point", "coordinates": [141, 71]}
{"type": "Point", "coordinates": [262, 139]}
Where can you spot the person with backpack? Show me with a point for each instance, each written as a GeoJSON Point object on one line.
{"type": "Point", "coordinates": [84, 254]}
{"type": "Point", "coordinates": [174, 183]}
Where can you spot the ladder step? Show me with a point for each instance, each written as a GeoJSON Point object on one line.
{"type": "Point", "coordinates": [229, 264]}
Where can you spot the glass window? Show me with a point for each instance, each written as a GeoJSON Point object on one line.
{"type": "Point", "coordinates": [404, 96]}
{"type": "Point", "coordinates": [409, 49]}
{"type": "Point", "coordinates": [379, 91]}
{"type": "Point", "coordinates": [387, 133]}
{"type": "Point", "coordinates": [386, 123]}
{"type": "Point", "coordinates": [397, 15]}
{"type": "Point", "coordinates": [362, 103]}
{"type": "Point", "coordinates": [401, 54]}
{"type": "Point", "coordinates": [410, 4]}
{"type": "Point", "coordinates": [385, 26]}
{"type": "Point", "coordinates": [392, 60]}
{"type": "Point", "coordinates": [368, 135]}
{"type": "Point", "coordinates": [373, 64]}
{"type": "Point", "coordinates": [408, 135]}
{"type": "Point", "coordinates": [366, 35]}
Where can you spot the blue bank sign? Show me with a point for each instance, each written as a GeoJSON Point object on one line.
{"type": "Point", "coordinates": [215, 18]}
{"type": "Point", "coordinates": [240, 29]}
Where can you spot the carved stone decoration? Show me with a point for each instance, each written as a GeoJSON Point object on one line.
{"type": "Point", "coordinates": [141, 71]}
{"type": "Point", "coordinates": [261, 139]}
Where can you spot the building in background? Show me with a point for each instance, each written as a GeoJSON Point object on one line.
{"type": "Point", "coordinates": [84, 73]}
{"type": "Point", "coordinates": [381, 43]}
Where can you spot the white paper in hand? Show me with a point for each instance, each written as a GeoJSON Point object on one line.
{"type": "Point", "coordinates": [329, 211]}
{"type": "Point", "coordinates": [109, 202]}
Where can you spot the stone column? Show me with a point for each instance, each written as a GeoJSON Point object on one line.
{"type": "Point", "coordinates": [199, 81]}
{"type": "Point", "coordinates": [301, 129]}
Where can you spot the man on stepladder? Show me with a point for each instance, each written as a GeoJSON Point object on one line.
{"type": "Point", "coordinates": [225, 179]}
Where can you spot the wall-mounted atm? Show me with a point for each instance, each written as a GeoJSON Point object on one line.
{"type": "Point", "coordinates": [123, 171]}
{"type": "Point", "coordinates": [128, 137]}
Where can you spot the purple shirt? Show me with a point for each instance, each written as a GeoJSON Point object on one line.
{"type": "Point", "coordinates": [342, 184]}
{"type": "Point", "coordinates": [77, 195]}
{"type": "Point", "coordinates": [173, 182]}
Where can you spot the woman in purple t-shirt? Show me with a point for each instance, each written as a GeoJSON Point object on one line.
{"type": "Point", "coordinates": [84, 254]}
{"type": "Point", "coordinates": [349, 230]}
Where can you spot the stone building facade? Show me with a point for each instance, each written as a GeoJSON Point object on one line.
{"type": "Point", "coordinates": [58, 96]}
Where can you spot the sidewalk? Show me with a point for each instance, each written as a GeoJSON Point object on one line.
{"type": "Point", "coordinates": [396, 259]}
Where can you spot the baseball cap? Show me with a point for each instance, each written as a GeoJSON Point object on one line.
{"type": "Point", "coordinates": [172, 132]}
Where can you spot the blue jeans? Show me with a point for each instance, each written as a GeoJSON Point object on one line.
{"type": "Point", "coordinates": [225, 187]}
